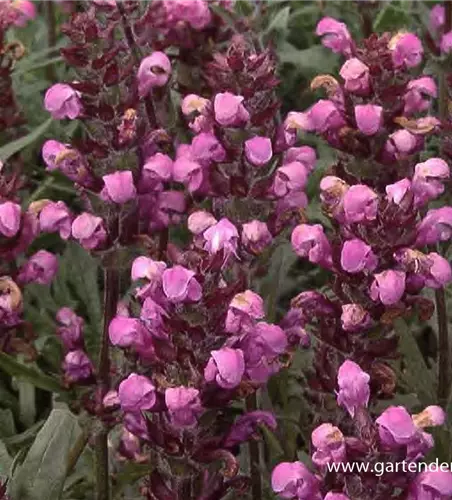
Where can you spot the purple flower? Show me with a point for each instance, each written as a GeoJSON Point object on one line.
{"type": "Point", "coordinates": [396, 427]}
{"type": "Point", "coordinates": [368, 118]}
{"type": "Point", "coordinates": [360, 204]}
{"type": "Point", "coordinates": [439, 272]}
{"type": "Point", "coordinates": [89, 231]}
{"type": "Point", "coordinates": [354, 318]}
{"type": "Point", "coordinates": [125, 332]}
{"type": "Point", "coordinates": [335, 36]}
{"type": "Point", "coordinates": [188, 172]}
{"type": "Point", "coordinates": [229, 110]}
{"type": "Point", "coordinates": [356, 256]}
{"type": "Point", "coordinates": [415, 100]}
{"type": "Point", "coordinates": [309, 241]}
{"type": "Point", "coordinates": [330, 445]}
{"type": "Point", "coordinates": [154, 71]}
{"type": "Point", "coordinates": [256, 236]}
{"type": "Point", "coordinates": [243, 310]}
{"type": "Point", "coordinates": [10, 216]}
{"type": "Point", "coordinates": [40, 268]}
{"type": "Point", "coordinates": [353, 385]}
{"type": "Point", "coordinates": [157, 168]}
{"type": "Point", "coordinates": [63, 101]}
{"type": "Point", "coordinates": [258, 150]}
{"type": "Point", "coordinates": [431, 485]}
{"type": "Point", "coordinates": [294, 480]}
{"type": "Point", "coordinates": [184, 405]}
{"type": "Point", "coordinates": [265, 340]}
{"type": "Point", "coordinates": [226, 366]}
{"type": "Point", "coordinates": [388, 287]}
{"type": "Point", "coordinates": [435, 226]}
{"type": "Point", "coordinates": [199, 221]}
{"type": "Point", "coordinates": [437, 17]}
{"type": "Point", "coordinates": [290, 177]}
{"type": "Point", "coordinates": [303, 154]}
{"type": "Point", "coordinates": [406, 50]}
{"type": "Point", "coordinates": [356, 76]}
{"type": "Point", "coordinates": [246, 425]}
{"type": "Point", "coordinates": [144, 267]}
{"type": "Point", "coordinates": [446, 42]}
{"type": "Point", "coordinates": [136, 393]}
{"type": "Point", "coordinates": [324, 116]}
{"type": "Point", "coordinates": [152, 315]}
{"type": "Point", "coordinates": [119, 187]}
{"type": "Point", "coordinates": [221, 236]}
{"type": "Point", "coordinates": [400, 193]}
{"type": "Point", "coordinates": [77, 366]}
{"type": "Point", "coordinates": [427, 179]}
{"type": "Point", "coordinates": [401, 143]}
{"type": "Point", "coordinates": [206, 148]}
{"type": "Point", "coordinates": [180, 285]}
{"type": "Point", "coordinates": [56, 217]}
{"type": "Point", "coordinates": [70, 329]}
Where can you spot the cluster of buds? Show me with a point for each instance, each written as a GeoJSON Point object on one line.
{"type": "Point", "coordinates": [377, 458]}
{"type": "Point", "coordinates": [375, 196]}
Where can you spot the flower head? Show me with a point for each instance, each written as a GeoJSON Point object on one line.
{"type": "Point", "coordinates": [154, 71]}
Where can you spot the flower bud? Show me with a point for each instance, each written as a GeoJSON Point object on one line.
{"type": "Point", "coordinates": [436, 226]}
{"type": "Point", "coordinates": [136, 393]}
{"type": "Point", "coordinates": [70, 329]}
{"type": "Point", "coordinates": [62, 101]}
{"type": "Point", "coordinates": [303, 154]}
{"type": "Point", "coordinates": [226, 366]}
{"type": "Point", "coordinates": [258, 150]}
{"type": "Point", "coordinates": [229, 110]}
{"type": "Point", "coordinates": [354, 389]}
{"type": "Point", "coordinates": [184, 405]}
{"type": "Point", "coordinates": [360, 204]}
{"type": "Point", "coordinates": [415, 101]}
{"type": "Point", "coordinates": [206, 148]}
{"type": "Point", "coordinates": [309, 241]}
{"type": "Point", "coordinates": [400, 193]}
{"type": "Point", "coordinates": [10, 217]}
{"type": "Point", "coordinates": [368, 118]}
{"type": "Point", "coordinates": [119, 187]}
{"type": "Point", "coordinates": [125, 332]}
{"type": "Point", "coordinates": [324, 116]}
{"type": "Point", "coordinates": [41, 268]}
{"type": "Point", "coordinates": [290, 177]}
{"type": "Point", "coordinates": [77, 366]}
{"type": "Point", "coordinates": [188, 172]}
{"type": "Point", "coordinates": [221, 236]}
{"type": "Point", "coordinates": [437, 17]}
{"type": "Point", "coordinates": [354, 318]}
{"type": "Point", "coordinates": [89, 231]}
{"type": "Point", "coordinates": [335, 36]}
{"type": "Point", "coordinates": [26, 11]}
{"type": "Point", "coordinates": [396, 427]}
{"type": "Point", "coordinates": [256, 236]}
{"type": "Point", "coordinates": [427, 179]}
{"type": "Point", "coordinates": [356, 76]}
{"type": "Point", "coordinates": [436, 484]}
{"type": "Point", "coordinates": [446, 43]}
{"type": "Point", "coordinates": [154, 71]}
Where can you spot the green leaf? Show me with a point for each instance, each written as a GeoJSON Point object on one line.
{"type": "Point", "coordinates": [5, 461]}
{"type": "Point", "coordinates": [43, 472]}
{"type": "Point", "coordinates": [315, 59]}
{"type": "Point", "coordinates": [29, 374]}
{"type": "Point", "coordinates": [14, 147]}
{"type": "Point", "coordinates": [7, 425]}
{"type": "Point", "coordinates": [280, 22]}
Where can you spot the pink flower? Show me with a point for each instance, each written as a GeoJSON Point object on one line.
{"type": "Point", "coordinates": [188, 172]}
{"type": "Point", "coordinates": [401, 143]}
{"type": "Point", "coordinates": [294, 480]}
{"type": "Point", "coordinates": [125, 332]}
{"type": "Point", "coordinates": [199, 221]}
{"type": "Point", "coordinates": [70, 329]}
{"type": "Point", "coordinates": [226, 366]}
{"type": "Point", "coordinates": [303, 154]}
{"type": "Point", "coordinates": [396, 427]}
{"type": "Point", "coordinates": [436, 226]}
{"type": "Point", "coordinates": [400, 193]}
{"type": "Point", "coordinates": [309, 241]}
{"type": "Point", "coordinates": [229, 110]}
{"type": "Point", "coordinates": [256, 236]}
{"type": "Point", "coordinates": [192, 103]}
{"type": "Point", "coordinates": [56, 217]}
{"type": "Point", "coordinates": [356, 256]}
{"type": "Point", "coordinates": [427, 179]}
{"type": "Point", "coordinates": [89, 231]}
{"type": "Point", "coordinates": [144, 267]}
{"type": "Point", "coordinates": [184, 405]}
{"type": "Point", "coordinates": [356, 76]}
{"type": "Point", "coordinates": [77, 366]}
{"type": "Point", "coordinates": [26, 11]}
{"type": "Point", "coordinates": [415, 100]}
{"type": "Point", "coordinates": [354, 318]}
{"type": "Point", "coordinates": [157, 168]}
{"type": "Point", "coordinates": [244, 309]}
{"type": "Point", "coordinates": [354, 389]}
{"type": "Point", "coordinates": [258, 150]}
{"type": "Point", "coordinates": [335, 36]}
{"type": "Point", "coordinates": [180, 285]}
{"type": "Point", "coordinates": [437, 17]}
{"type": "Point", "coordinates": [290, 177]}
{"type": "Point", "coordinates": [431, 416]}
{"type": "Point", "coordinates": [336, 496]}
{"type": "Point", "coordinates": [406, 50]}
{"type": "Point", "coordinates": [368, 118]}
{"type": "Point", "coordinates": [40, 268]}
{"type": "Point", "coordinates": [62, 101]}
{"type": "Point", "coordinates": [154, 71]}
{"type": "Point", "coordinates": [388, 287]}
{"type": "Point", "coordinates": [431, 484]}
{"type": "Point", "coordinates": [206, 148]}
{"type": "Point", "coordinates": [330, 445]}
{"type": "Point", "coordinates": [119, 187]}
{"type": "Point", "coordinates": [194, 12]}
{"type": "Point", "coordinates": [221, 236]}
{"type": "Point", "coordinates": [360, 204]}
{"type": "Point", "coordinates": [332, 192]}
{"type": "Point", "coordinates": [324, 116]}
{"type": "Point", "coordinates": [10, 217]}
{"type": "Point", "coordinates": [439, 273]}
{"type": "Point", "coordinates": [446, 42]}
{"type": "Point", "coordinates": [136, 393]}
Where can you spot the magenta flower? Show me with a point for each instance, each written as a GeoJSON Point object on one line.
{"type": "Point", "coordinates": [119, 187]}
{"type": "Point", "coordinates": [431, 484]}
{"type": "Point", "coordinates": [40, 268]}
{"type": "Point", "coordinates": [290, 177]}
{"type": "Point", "coordinates": [354, 318]}
{"type": "Point", "coordinates": [396, 427]}
{"type": "Point", "coordinates": [427, 180]}
{"type": "Point", "coordinates": [89, 231]}
{"type": "Point", "coordinates": [244, 309]}
{"type": "Point", "coordinates": [356, 256]}
{"type": "Point", "coordinates": [245, 427]}
{"type": "Point", "coordinates": [206, 148]}
{"type": "Point", "coordinates": [136, 393]}
{"type": "Point", "coordinates": [125, 332]}
{"type": "Point", "coordinates": [70, 329]}
{"type": "Point", "coordinates": [415, 100]}
{"type": "Point", "coordinates": [353, 385]}
{"type": "Point", "coordinates": [400, 193]}
{"type": "Point", "coordinates": [406, 50]}
{"type": "Point", "coordinates": [154, 71]}
{"type": "Point", "coordinates": [324, 116]}
{"type": "Point", "coordinates": [221, 236]}
{"type": "Point", "coordinates": [188, 172]}
{"type": "Point", "coordinates": [10, 217]}
{"type": "Point", "coordinates": [335, 36]}
{"type": "Point", "coordinates": [360, 204]}
{"type": "Point", "coordinates": [184, 405]}
{"type": "Point", "coordinates": [229, 110]}
{"type": "Point", "coordinates": [62, 101]}
{"type": "Point", "coordinates": [436, 226]}
{"type": "Point", "coordinates": [356, 76]}
{"type": "Point", "coordinates": [388, 287]}
{"type": "Point", "coordinates": [368, 118]}
{"type": "Point", "coordinates": [309, 241]}
{"type": "Point", "coordinates": [180, 285]}
{"type": "Point", "coordinates": [199, 221]}
{"type": "Point", "coordinates": [294, 480]}
{"type": "Point", "coordinates": [256, 236]}
{"type": "Point", "coordinates": [77, 366]}
{"type": "Point", "coordinates": [330, 445]}
{"type": "Point", "coordinates": [226, 366]}
{"type": "Point", "coordinates": [258, 150]}
{"type": "Point", "coordinates": [56, 217]}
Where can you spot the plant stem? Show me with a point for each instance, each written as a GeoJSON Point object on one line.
{"type": "Point", "coordinates": [256, 482]}
{"type": "Point", "coordinates": [51, 35]}
{"type": "Point", "coordinates": [111, 294]}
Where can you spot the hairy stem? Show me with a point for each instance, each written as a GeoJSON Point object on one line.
{"type": "Point", "coordinates": [256, 482]}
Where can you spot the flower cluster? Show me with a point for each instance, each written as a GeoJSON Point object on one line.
{"type": "Point", "coordinates": [377, 458]}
